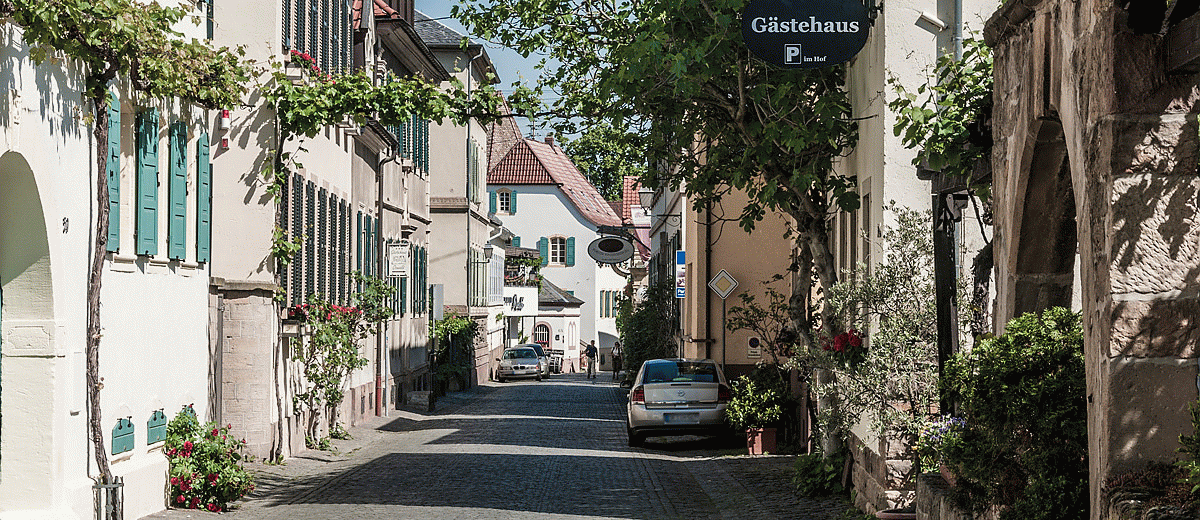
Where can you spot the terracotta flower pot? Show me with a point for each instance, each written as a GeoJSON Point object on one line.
{"type": "Point", "coordinates": [760, 440]}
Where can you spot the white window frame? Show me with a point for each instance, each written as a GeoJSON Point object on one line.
{"type": "Point", "coordinates": [504, 202]}
{"type": "Point", "coordinates": [557, 250]}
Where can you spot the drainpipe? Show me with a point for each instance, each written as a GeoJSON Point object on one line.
{"type": "Point", "coordinates": [958, 29]}
{"type": "Point", "coordinates": [379, 256]}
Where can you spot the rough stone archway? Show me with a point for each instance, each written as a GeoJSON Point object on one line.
{"type": "Point", "coordinates": [1129, 130]}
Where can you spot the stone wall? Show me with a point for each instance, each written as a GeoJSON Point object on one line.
{"type": "Point", "coordinates": [1081, 98]}
{"type": "Point", "coordinates": [879, 474]}
{"type": "Point", "coordinates": [933, 500]}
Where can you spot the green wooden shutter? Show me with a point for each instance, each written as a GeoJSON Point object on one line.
{"type": "Point", "coordinates": [358, 250]}
{"type": "Point", "coordinates": [310, 238]}
{"type": "Point", "coordinates": [516, 242]}
{"type": "Point", "coordinates": [512, 202]}
{"type": "Point", "coordinates": [147, 183]}
{"type": "Point", "coordinates": [570, 251]}
{"type": "Point", "coordinates": [177, 193]}
{"type": "Point", "coordinates": [297, 291]}
{"type": "Point", "coordinates": [491, 201]}
{"type": "Point", "coordinates": [122, 436]}
{"type": "Point", "coordinates": [544, 250]}
{"type": "Point", "coordinates": [203, 200]}
{"type": "Point", "coordinates": [113, 168]}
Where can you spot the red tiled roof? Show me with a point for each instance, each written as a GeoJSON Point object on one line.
{"type": "Point", "coordinates": [381, 8]}
{"type": "Point", "coordinates": [535, 162]}
{"type": "Point", "coordinates": [629, 197]}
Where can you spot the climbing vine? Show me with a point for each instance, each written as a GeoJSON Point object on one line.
{"type": "Point", "coordinates": [948, 119]}
{"type": "Point", "coordinates": [136, 40]}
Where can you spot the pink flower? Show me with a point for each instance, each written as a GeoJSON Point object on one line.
{"type": "Point", "coordinates": [174, 481]}
{"type": "Point", "coordinates": [216, 432]}
{"type": "Point", "coordinates": [187, 445]}
{"type": "Point", "coordinates": [839, 342]}
{"type": "Point", "coordinates": [212, 478]}
{"type": "Point", "coordinates": [179, 499]}
{"type": "Point", "coordinates": [213, 508]}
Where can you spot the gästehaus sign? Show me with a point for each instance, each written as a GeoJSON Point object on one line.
{"type": "Point", "coordinates": [805, 33]}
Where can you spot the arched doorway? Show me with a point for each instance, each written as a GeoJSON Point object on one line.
{"type": "Point", "coordinates": [1044, 270]}
{"type": "Point", "coordinates": [27, 360]}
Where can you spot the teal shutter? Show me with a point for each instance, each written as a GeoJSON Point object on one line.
{"type": "Point", "coordinates": [177, 193]}
{"type": "Point", "coordinates": [147, 182]}
{"type": "Point", "coordinates": [491, 201]}
{"type": "Point", "coordinates": [544, 250]}
{"type": "Point", "coordinates": [113, 168]}
{"type": "Point", "coordinates": [156, 427]}
{"type": "Point", "coordinates": [512, 202]}
{"type": "Point", "coordinates": [570, 251]}
{"type": "Point", "coordinates": [122, 436]}
{"type": "Point", "coordinates": [359, 243]}
{"type": "Point", "coordinates": [204, 200]}
{"type": "Point", "coordinates": [516, 242]}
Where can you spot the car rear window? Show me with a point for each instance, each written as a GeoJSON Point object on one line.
{"type": "Point", "coordinates": [680, 371]}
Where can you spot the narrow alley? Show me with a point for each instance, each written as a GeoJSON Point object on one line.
{"type": "Point", "coordinates": [550, 449]}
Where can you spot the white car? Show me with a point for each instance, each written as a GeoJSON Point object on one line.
{"type": "Point", "coordinates": [677, 397]}
{"type": "Point", "coordinates": [517, 362]}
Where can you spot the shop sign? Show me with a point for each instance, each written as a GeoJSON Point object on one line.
{"type": "Point", "coordinates": [806, 33]}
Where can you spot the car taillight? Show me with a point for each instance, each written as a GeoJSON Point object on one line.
{"type": "Point", "coordinates": [637, 395]}
{"type": "Point", "coordinates": [723, 394]}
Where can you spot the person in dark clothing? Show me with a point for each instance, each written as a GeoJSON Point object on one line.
{"type": "Point", "coordinates": [590, 353]}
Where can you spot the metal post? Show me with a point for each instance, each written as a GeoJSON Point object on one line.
{"type": "Point", "coordinates": [722, 334]}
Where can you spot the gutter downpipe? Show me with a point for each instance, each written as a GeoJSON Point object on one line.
{"type": "Point", "coordinates": [379, 256]}
{"type": "Point", "coordinates": [708, 339]}
{"type": "Point", "coordinates": [958, 29]}
{"type": "Point", "coordinates": [467, 199]}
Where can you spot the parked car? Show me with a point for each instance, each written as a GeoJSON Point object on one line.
{"type": "Point", "coordinates": [677, 397]}
{"type": "Point", "coordinates": [518, 362]}
{"type": "Point", "coordinates": [541, 352]}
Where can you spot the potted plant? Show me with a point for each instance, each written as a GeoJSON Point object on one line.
{"type": "Point", "coordinates": [932, 442]}
{"type": "Point", "coordinates": [756, 406]}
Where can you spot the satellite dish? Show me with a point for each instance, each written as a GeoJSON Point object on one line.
{"type": "Point", "coordinates": [610, 250]}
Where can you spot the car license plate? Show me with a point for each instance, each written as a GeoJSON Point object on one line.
{"type": "Point", "coordinates": [681, 418]}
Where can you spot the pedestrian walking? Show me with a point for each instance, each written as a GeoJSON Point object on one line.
{"type": "Point", "coordinates": [590, 353]}
{"type": "Point", "coordinates": [616, 360]}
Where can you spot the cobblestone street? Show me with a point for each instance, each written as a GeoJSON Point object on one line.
{"type": "Point", "coordinates": [554, 449]}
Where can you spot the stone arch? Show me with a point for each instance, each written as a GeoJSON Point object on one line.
{"type": "Point", "coordinates": [27, 354]}
{"type": "Point", "coordinates": [1045, 231]}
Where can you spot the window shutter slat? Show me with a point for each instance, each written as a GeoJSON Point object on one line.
{"type": "Point", "coordinates": [177, 193]}
{"type": "Point", "coordinates": [204, 200]}
{"type": "Point", "coordinates": [113, 169]}
{"type": "Point", "coordinates": [147, 184]}
{"type": "Point", "coordinates": [570, 252]}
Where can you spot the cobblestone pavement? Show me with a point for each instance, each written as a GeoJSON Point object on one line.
{"type": "Point", "coordinates": [523, 450]}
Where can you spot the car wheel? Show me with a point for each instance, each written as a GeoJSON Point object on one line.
{"type": "Point", "coordinates": [500, 379]}
{"type": "Point", "coordinates": [539, 377]}
{"type": "Point", "coordinates": [635, 440]}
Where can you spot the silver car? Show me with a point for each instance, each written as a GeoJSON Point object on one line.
{"type": "Point", "coordinates": [519, 362]}
{"type": "Point", "coordinates": [541, 352]}
{"type": "Point", "coordinates": [677, 397]}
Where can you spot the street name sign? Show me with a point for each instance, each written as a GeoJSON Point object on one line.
{"type": "Point", "coordinates": [806, 34]}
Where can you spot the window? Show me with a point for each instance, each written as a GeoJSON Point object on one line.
{"type": "Point", "coordinates": [503, 201]}
{"type": "Point", "coordinates": [541, 335]}
{"type": "Point", "coordinates": [558, 250]}
{"type": "Point", "coordinates": [320, 28]}
{"type": "Point", "coordinates": [610, 303]}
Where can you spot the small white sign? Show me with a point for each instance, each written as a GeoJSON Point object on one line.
{"type": "Point", "coordinates": [723, 284]}
{"type": "Point", "coordinates": [398, 259]}
{"type": "Point", "coordinates": [754, 350]}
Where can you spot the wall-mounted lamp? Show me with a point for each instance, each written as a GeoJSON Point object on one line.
{"type": "Point", "coordinates": [487, 255]}
{"type": "Point", "coordinates": [646, 200]}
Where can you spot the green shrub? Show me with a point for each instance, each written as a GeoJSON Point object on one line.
{"type": "Point", "coordinates": [648, 328]}
{"type": "Point", "coordinates": [817, 476]}
{"type": "Point", "coordinates": [759, 399]}
{"type": "Point", "coordinates": [1023, 396]}
{"type": "Point", "coordinates": [205, 464]}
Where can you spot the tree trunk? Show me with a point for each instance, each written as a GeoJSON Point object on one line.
{"type": "Point", "coordinates": [95, 272]}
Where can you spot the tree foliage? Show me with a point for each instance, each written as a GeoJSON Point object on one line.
{"type": "Point", "coordinates": [606, 155]}
{"type": "Point", "coordinates": [647, 328]}
{"type": "Point", "coordinates": [711, 117]}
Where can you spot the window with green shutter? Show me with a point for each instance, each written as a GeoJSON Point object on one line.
{"type": "Point", "coordinates": [147, 183]}
{"type": "Point", "coordinates": [570, 259]}
{"type": "Point", "coordinates": [204, 200]}
{"type": "Point", "coordinates": [491, 201]}
{"type": "Point", "coordinates": [122, 436]}
{"type": "Point", "coordinates": [512, 202]}
{"type": "Point", "coordinates": [310, 239]}
{"type": "Point", "coordinates": [297, 230]}
{"type": "Point", "coordinates": [544, 250]}
{"type": "Point", "coordinates": [177, 193]}
{"type": "Point", "coordinates": [156, 427]}
{"type": "Point", "coordinates": [516, 241]}
{"type": "Point", "coordinates": [113, 169]}
{"type": "Point", "coordinates": [322, 232]}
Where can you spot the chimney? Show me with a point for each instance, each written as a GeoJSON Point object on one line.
{"type": "Point", "coordinates": [550, 140]}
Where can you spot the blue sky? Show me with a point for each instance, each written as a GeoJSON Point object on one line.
{"type": "Point", "coordinates": [509, 64]}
